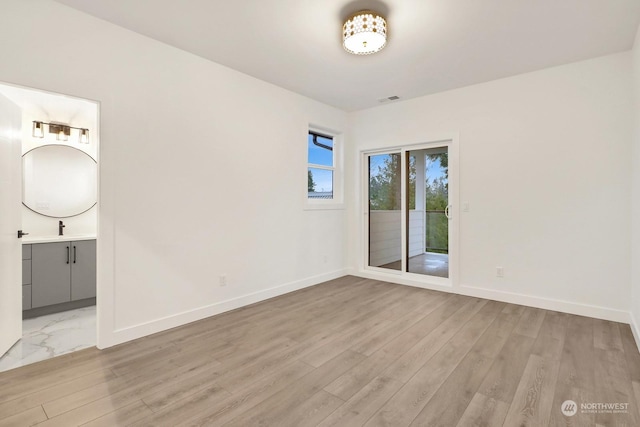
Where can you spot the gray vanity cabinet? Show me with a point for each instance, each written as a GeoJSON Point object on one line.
{"type": "Point", "coordinates": [26, 277]}
{"type": "Point", "coordinates": [62, 272]}
{"type": "Point", "coordinates": [83, 269]}
{"type": "Point", "coordinates": [50, 273]}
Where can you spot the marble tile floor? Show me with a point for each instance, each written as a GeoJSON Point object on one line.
{"type": "Point", "coordinates": [52, 335]}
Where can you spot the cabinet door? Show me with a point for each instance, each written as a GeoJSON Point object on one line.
{"type": "Point", "coordinates": [50, 273]}
{"type": "Point", "coordinates": [83, 269]}
{"type": "Point", "coordinates": [26, 271]}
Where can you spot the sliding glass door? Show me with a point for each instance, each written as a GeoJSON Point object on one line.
{"type": "Point", "coordinates": [428, 212]}
{"type": "Point", "coordinates": [385, 213]}
{"type": "Point", "coordinates": [409, 225]}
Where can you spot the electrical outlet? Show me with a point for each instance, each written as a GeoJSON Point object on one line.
{"type": "Point", "coordinates": [500, 271]}
{"type": "Point", "coordinates": [223, 280]}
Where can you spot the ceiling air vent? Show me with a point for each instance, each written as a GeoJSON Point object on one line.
{"type": "Point", "coordinates": [389, 98]}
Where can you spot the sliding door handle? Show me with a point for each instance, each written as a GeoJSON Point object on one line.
{"type": "Point", "coordinates": [446, 212]}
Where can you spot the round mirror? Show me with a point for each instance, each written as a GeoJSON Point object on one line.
{"type": "Point", "coordinates": [59, 181]}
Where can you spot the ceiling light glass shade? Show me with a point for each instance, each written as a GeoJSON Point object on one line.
{"type": "Point", "coordinates": [62, 132]}
{"type": "Point", "coordinates": [84, 136]}
{"type": "Point", "coordinates": [364, 33]}
{"type": "Point", "coordinates": [38, 130]}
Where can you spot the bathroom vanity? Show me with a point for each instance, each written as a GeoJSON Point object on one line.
{"type": "Point", "coordinates": [59, 184]}
{"type": "Point", "coordinates": [58, 274]}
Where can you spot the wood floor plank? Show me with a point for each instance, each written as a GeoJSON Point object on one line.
{"type": "Point", "coordinates": [631, 353]}
{"type": "Point", "coordinates": [250, 396]}
{"type": "Point", "coordinates": [484, 411]}
{"type": "Point", "coordinates": [236, 379]}
{"type": "Point", "coordinates": [495, 337]}
{"type": "Point", "coordinates": [369, 344]}
{"type": "Point", "coordinates": [330, 350]}
{"type": "Point", "coordinates": [502, 379]}
{"type": "Point", "coordinates": [636, 392]}
{"type": "Point", "coordinates": [124, 416]}
{"type": "Point", "coordinates": [56, 391]}
{"type": "Point", "coordinates": [613, 389]}
{"type": "Point", "coordinates": [198, 402]}
{"type": "Point", "coordinates": [410, 362]}
{"type": "Point", "coordinates": [310, 411]}
{"type": "Point", "coordinates": [29, 417]}
{"type": "Point", "coordinates": [606, 335]}
{"type": "Point", "coordinates": [451, 399]}
{"type": "Point", "coordinates": [530, 322]}
{"type": "Point", "coordinates": [361, 406]}
{"type": "Point", "coordinates": [353, 380]}
{"type": "Point", "coordinates": [122, 396]}
{"type": "Point", "coordinates": [614, 362]}
{"type": "Point", "coordinates": [276, 407]}
{"type": "Point", "coordinates": [175, 392]}
{"type": "Point", "coordinates": [409, 401]}
{"type": "Point", "coordinates": [578, 356]}
{"type": "Point", "coordinates": [66, 403]}
{"type": "Point", "coordinates": [351, 351]}
{"type": "Point", "coordinates": [576, 381]}
{"type": "Point", "coordinates": [335, 315]}
{"type": "Point", "coordinates": [533, 400]}
{"type": "Point", "coordinates": [550, 340]}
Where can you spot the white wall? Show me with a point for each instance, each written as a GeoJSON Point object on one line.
{"type": "Point", "coordinates": [202, 171]}
{"type": "Point", "coordinates": [635, 198]}
{"type": "Point", "coordinates": [544, 165]}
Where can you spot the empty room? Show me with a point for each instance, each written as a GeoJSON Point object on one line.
{"type": "Point", "coordinates": [319, 213]}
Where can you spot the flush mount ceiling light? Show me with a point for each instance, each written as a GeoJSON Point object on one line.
{"type": "Point", "coordinates": [364, 33]}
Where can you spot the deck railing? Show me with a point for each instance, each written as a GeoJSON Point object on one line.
{"type": "Point", "coordinates": [437, 232]}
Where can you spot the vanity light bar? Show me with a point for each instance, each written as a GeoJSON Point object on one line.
{"type": "Point", "coordinates": [62, 131]}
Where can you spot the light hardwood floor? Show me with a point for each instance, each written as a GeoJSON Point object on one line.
{"type": "Point", "coordinates": [348, 352]}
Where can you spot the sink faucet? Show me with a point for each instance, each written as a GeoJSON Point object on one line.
{"type": "Point", "coordinates": [60, 227]}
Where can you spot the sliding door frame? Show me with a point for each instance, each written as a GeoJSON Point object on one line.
{"type": "Point", "coordinates": [365, 204]}
{"type": "Point", "coordinates": [402, 276]}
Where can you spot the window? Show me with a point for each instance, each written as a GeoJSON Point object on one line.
{"type": "Point", "coordinates": [321, 167]}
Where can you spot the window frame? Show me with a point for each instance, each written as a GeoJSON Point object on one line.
{"type": "Point", "coordinates": [337, 201]}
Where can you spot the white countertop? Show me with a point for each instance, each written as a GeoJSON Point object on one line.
{"type": "Point", "coordinates": [27, 240]}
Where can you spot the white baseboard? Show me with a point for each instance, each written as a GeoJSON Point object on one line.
{"type": "Point", "coordinates": [587, 310]}
{"type": "Point", "coordinates": [597, 312]}
{"type": "Point", "coordinates": [634, 329]}
{"type": "Point", "coordinates": [120, 336]}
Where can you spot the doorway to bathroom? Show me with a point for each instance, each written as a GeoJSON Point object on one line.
{"type": "Point", "coordinates": [49, 189]}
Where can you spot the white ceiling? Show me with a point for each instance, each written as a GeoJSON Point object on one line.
{"type": "Point", "coordinates": [433, 45]}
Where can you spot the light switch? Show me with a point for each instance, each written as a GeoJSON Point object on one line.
{"type": "Point", "coordinates": [465, 207]}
